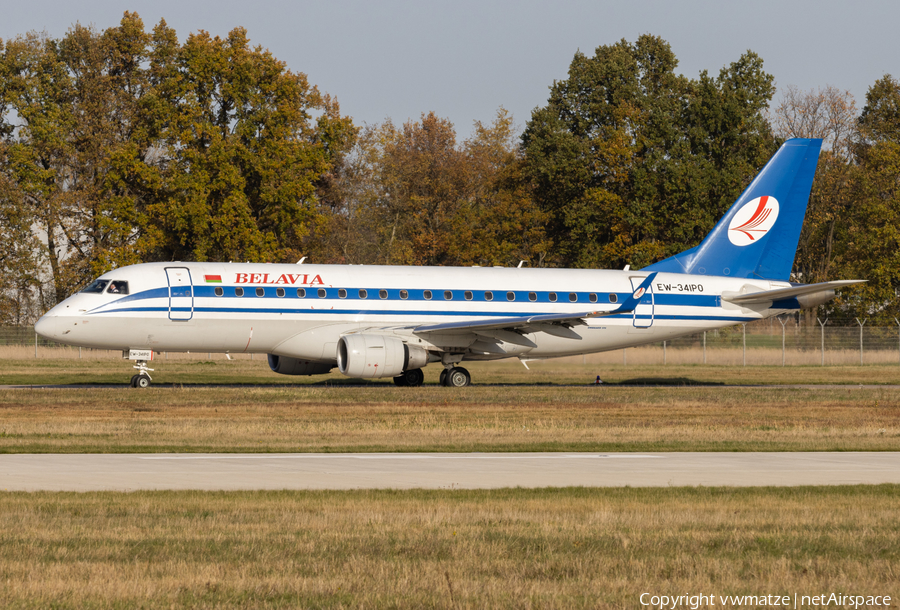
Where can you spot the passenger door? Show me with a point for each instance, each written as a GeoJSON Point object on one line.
{"type": "Point", "coordinates": [643, 313]}
{"type": "Point", "coordinates": [181, 294]}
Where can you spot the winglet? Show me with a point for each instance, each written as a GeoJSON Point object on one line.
{"type": "Point", "coordinates": [631, 302]}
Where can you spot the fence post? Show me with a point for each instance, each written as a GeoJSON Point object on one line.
{"type": "Point", "coordinates": [861, 324]}
{"type": "Point", "coordinates": [782, 340]}
{"type": "Point", "coordinates": [704, 347]}
{"type": "Point", "coordinates": [624, 357]}
{"type": "Point", "coordinates": [744, 331]}
{"type": "Point", "coordinates": [35, 344]}
{"type": "Point", "coordinates": [822, 324]}
{"type": "Point", "coordinates": [664, 353]}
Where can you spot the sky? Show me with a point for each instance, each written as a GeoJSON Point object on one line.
{"type": "Point", "coordinates": [465, 59]}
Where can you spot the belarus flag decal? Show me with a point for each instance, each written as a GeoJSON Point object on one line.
{"type": "Point", "coordinates": [213, 279]}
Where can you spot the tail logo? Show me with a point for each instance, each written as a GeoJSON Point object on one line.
{"type": "Point", "coordinates": [753, 221]}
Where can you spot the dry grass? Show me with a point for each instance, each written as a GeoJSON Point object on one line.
{"type": "Point", "coordinates": [634, 356]}
{"type": "Point", "coordinates": [567, 548]}
{"type": "Point", "coordinates": [381, 417]}
{"type": "Point", "coordinates": [644, 365]}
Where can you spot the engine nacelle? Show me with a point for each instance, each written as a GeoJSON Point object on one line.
{"type": "Point", "coordinates": [817, 298]}
{"type": "Point", "coordinates": [294, 366]}
{"type": "Point", "coordinates": [376, 356]}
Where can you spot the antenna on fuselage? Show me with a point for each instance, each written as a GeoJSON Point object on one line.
{"type": "Point", "coordinates": [520, 264]}
{"type": "Point", "coordinates": [300, 262]}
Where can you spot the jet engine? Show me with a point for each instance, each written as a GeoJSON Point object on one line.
{"type": "Point", "coordinates": [376, 356]}
{"type": "Point", "coordinates": [294, 366]}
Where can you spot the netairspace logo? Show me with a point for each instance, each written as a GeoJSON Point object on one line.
{"type": "Point", "coordinates": [674, 602]}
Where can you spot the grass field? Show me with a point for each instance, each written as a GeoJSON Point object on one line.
{"type": "Point", "coordinates": [642, 366]}
{"type": "Point", "coordinates": [545, 409]}
{"type": "Point", "coordinates": [565, 548]}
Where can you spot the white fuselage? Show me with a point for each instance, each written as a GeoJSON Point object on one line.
{"type": "Point", "coordinates": [301, 311]}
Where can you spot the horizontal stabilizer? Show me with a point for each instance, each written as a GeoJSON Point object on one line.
{"type": "Point", "coordinates": [767, 296]}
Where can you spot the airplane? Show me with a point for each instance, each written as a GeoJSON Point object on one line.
{"type": "Point", "coordinates": [373, 322]}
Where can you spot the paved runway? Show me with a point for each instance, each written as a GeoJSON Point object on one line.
{"type": "Point", "coordinates": [131, 472]}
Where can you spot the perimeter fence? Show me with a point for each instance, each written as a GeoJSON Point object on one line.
{"type": "Point", "coordinates": [776, 341]}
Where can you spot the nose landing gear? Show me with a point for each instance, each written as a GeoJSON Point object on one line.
{"type": "Point", "coordinates": [141, 358]}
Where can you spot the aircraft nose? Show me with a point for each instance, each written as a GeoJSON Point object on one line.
{"type": "Point", "coordinates": [47, 326]}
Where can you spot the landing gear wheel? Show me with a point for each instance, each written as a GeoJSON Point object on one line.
{"type": "Point", "coordinates": [414, 378]}
{"type": "Point", "coordinates": [400, 380]}
{"type": "Point", "coordinates": [134, 381]}
{"type": "Point", "coordinates": [142, 381]}
{"type": "Point", "coordinates": [443, 378]}
{"type": "Point", "coordinates": [458, 377]}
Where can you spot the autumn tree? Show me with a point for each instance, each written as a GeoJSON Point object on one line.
{"type": "Point", "coordinates": [830, 114]}
{"type": "Point", "coordinates": [414, 195]}
{"type": "Point", "coordinates": [634, 162]}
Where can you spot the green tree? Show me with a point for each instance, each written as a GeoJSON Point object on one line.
{"type": "Point", "coordinates": [243, 156]}
{"type": "Point", "coordinates": [873, 240]}
{"type": "Point", "coordinates": [71, 106]}
{"type": "Point", "coordinates": [124, 146]}
{"type": "Point", "coordinates": [633, 162]}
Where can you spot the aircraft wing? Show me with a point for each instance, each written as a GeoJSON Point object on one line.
{"type": "Point", "coordinates": [766, 296]}
{"type": "Point", "coordinates": [557, 324]}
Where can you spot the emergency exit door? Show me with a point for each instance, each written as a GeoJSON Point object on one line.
{"type": "Point", "coordinates": [181, 293]}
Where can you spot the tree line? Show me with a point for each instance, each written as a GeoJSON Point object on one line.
{"type": "Point", "coordinates": [125, 145]}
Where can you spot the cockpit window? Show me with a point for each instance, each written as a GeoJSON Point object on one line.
{"type": "Point", "coordinates": [96, 286]}
{"type": "Point", "coordinates": [118, 287]}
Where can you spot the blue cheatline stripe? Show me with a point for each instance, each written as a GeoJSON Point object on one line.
{"type": "Point", "coordinates": [407, 314]}
{"type": "Point", "coordinates": [417, 294]}
{"type": "Point", "coordinates": [521, 296]}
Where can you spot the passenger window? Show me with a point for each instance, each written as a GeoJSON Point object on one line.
{"type": "Point", "coordinates": [448, 296]}
{"type": "Point", "coordinates": [301, 292]}
{"type": "Point", "coordinates": [118, 287]}
{"type": "Point", "coordinates": [279, 292]}
{"type": "Point", "coordinates": [469, 295]}
{"type": "Point", "coordinates": [573, 297]}
{"type": "Point", "coordinates": [404, 294]}
{"type": "Point", "coordinates": [613, 297]}
{"type": "Point", "coordinates": [553, 297]}
{"type": "Point", "coordinates": [260, 292]}
{"type": "Point", "coordinates": [488, 296]}
{"type": "Point", "coordinates": [427, 295]}
{"type": "Point", "coordinates": [363, 293]}
{"type": "Point", "coordinates": [322, 293]}
{"type": "Point", "coordinates": [510, 296]}
{"type": "Point", "coordinates": [238, 292]}
{"type": "Point", "coordinates": [532, 296]}
{"type": "Point", "coordinates": [593, 297]}
{"type": "Point", "coordinates": [382, 294]}
{"type": "Point", "coordinates": [96, 286]}
{"type": "Point", "coordinates": [219, 291]}
{"type": "Point", "coordinates": [342, 294]}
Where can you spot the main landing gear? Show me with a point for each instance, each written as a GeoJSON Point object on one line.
{"type": "Point", "coordinates": [455, 377]}
{"type": "Point", "coordinates": [413, 378]}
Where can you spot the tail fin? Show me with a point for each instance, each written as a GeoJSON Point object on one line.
{"type": "Point", "coordinates": [759, 234]}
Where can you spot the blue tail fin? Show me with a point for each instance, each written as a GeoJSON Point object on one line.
{"type": "Point", "coordinates": [758, 236]}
